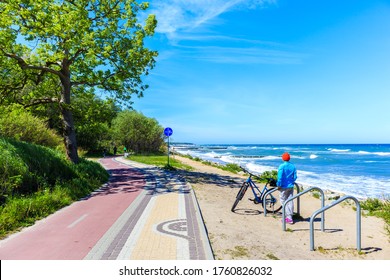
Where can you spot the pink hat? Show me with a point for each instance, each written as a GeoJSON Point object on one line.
{"type": "Point", "coordinates": [286, 157]}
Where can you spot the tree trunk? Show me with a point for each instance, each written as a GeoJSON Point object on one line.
{"type": "Point", "coordinates": [69, 132]}
{"type": "Point", "coordinates": [69, 135]}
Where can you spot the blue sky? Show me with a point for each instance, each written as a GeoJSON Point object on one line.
{"type": "Point", "coordinates": [273, 72]}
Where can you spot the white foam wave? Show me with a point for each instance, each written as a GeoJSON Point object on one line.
{"type": "Point", "coordinates": [358, 186]}
{"type": "Point", "coordinates": [211, 155]}
{"type": "Point", "coordinates": [373, 153]}
{"type": "Point", "coordinates": [313, 156]}
{"type": "Point", "coordinates": [229, 159]}
{"type": "Point", "coordinates": [269, 158]}
{"type": "Point", "coordinates": [348, 151]}
{"type": "Point", "coordinates": [382, 154]}
{"type": "Point", "coordinates": [339, 150]}
{"type": "Point", "coordinates": [253, 167]}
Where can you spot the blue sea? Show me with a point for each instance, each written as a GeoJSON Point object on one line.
{"type": "Point", "coordinates": [359, 170]}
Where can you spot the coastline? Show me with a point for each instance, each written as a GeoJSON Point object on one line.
{"type": "Point", "coordinates": [351, 169]}
{"type": "Point", "coordinates": [248, 234]}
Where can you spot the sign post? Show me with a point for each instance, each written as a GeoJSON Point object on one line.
{"type": "Point", "coordinates": [168, 132]}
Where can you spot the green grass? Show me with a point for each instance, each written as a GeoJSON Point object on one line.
{"type": "Point", "coordinates": [271, 256]}
{"type": "Point", "coordinates": [160, 161]}
{"type": "Point", "coordinates": [378, 208]}
{"type": "Point", "coordinates": [238, 252]}
{"type": "Point", "coordinates": [36, 181]}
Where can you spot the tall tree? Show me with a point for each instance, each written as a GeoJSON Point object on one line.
{"type": "Point", "coordinates": [138, 132]}
{"type": "Point", "coordinates": [65, 44]}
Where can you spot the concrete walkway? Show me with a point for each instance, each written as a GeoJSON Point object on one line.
{"type": "Point", "coordinates": [143, 213]}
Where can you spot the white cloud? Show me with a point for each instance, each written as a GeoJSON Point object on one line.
{"type": "Point", "coordinates": [248, 55]}
{"type": "Point", "coordinates": [185, 21]}
{"type": "Point", "coordinates": [181, 15]}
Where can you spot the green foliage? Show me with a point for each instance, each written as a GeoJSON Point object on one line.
{"type": "Point", "coordinates": [23, 211]}
{"type": "Point", "coordinates": [12, 170]}
{"type": "Point", "coordinates": [378, 208]}
{"type": "Point", "coordinates": [137, 132]}
{"type": "Point", "coordinates": [372, 205]}
{"type": "Point", "coordinates": [51, 49]}
{"type": "Point", "coordinates": [269, 174]}
{"type": "Point", "coordinates": [19, 124]}
{"type": "Point", "coordinates": [36, 181]}
{"type": "Point", "coordinates": [231, 167]}
{"type": "Point", "coordinates": [93, 118]}
{"type": "Point", "coordinates": [85, 34]}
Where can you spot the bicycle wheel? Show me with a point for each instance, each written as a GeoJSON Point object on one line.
{"type": "Point", "coordinates": [272, 203]}
{"type": "Point", "coordinates": [240, 195]}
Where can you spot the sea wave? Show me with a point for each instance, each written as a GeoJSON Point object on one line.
{"type": "Point", "coordinates": [339, 150]}
{"type": "Point", "coordinates": [256, 168]}
{"type": "Point", "coordinates": [360, 171]}
{"type": "Point", "coordinates": [269, 158]}
{"type": "Point", "coordinates": [359, 186]}
{"type": "Point", "coordinates": [373, 153]}
{"type": "Point", "coordinates": [382, 154]}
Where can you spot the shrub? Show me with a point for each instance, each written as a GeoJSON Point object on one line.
{"type": "Point", "coordinates": [12, 170]}
{"type": "Point", "coordinates": [36, 181]}
{"type": "Point", "coordinates": [269, 174]}
{"type": "Point", "coordinates": [231, 167]}
{"type": "Point", "coordinates": [137, 132]}
{"type": "Point", "coordinates": [35, 167]}
{"type": "Point", "coordinates": [20, 125]}
{"type": "Point", "coordinates": [378, 208]}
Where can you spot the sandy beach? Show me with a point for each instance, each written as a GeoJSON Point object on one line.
{"type": "Point", "coordinates": [248, 234]}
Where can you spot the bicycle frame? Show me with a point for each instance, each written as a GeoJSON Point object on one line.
{"type": "Point", "coordinates": [258, 197]}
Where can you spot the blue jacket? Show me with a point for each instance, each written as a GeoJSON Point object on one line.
{"type": "Point", "coordinates": [287, 174]}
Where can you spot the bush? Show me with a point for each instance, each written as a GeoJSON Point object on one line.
{"type": "Point", "coordinates": [36, 181]}
{"type": "Point", "coordinates": [12, 170]}
{"type": "Point", "coordinates": [378, 208]}
{"type": "Point", "coordinates": [269, 174]}
{"type": "Point", "coordinates": [231, 167]}
{"type": "Point", "coordinates": [137, 132]}
{"type": "Point", "coordinates": [20, 125]}
{"type": "Point", "coordinates": [35, 167]}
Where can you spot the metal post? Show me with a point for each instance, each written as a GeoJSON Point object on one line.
{"type": "Point", "coordinates": [168, 150]}
{"type": "Point", "coordinates": [298, 199]}
{"type": "Point", "coordinates": [323, 209]}
{"type": "Point", "coordinates": [273, 190]}
{"type": "Point", "coordinates": [297, 196]}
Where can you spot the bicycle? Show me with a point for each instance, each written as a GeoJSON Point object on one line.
{"type": "Point", "coordinates": [272, 204]}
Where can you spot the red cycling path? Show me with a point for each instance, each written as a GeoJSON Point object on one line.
{"type": "Point", "coordinates": [69, 234]}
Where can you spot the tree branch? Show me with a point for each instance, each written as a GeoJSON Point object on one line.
{"type": "Point", "coordinates": [74, 57]}
{"type": "Point", "coordinates": [24, 65]}
{"type": "Point", "coordinates": [41, 101]}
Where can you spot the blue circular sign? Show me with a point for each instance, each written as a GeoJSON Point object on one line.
{"type": "Point", "coordinates": [168, 131]}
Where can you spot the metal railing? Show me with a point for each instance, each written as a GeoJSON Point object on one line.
{"type": "Point", "coordinates": [273, 190]}
{"type": "Point", "coordinates": [297, 196]}
{"type": "Point", "coordinates": [324, 208]}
